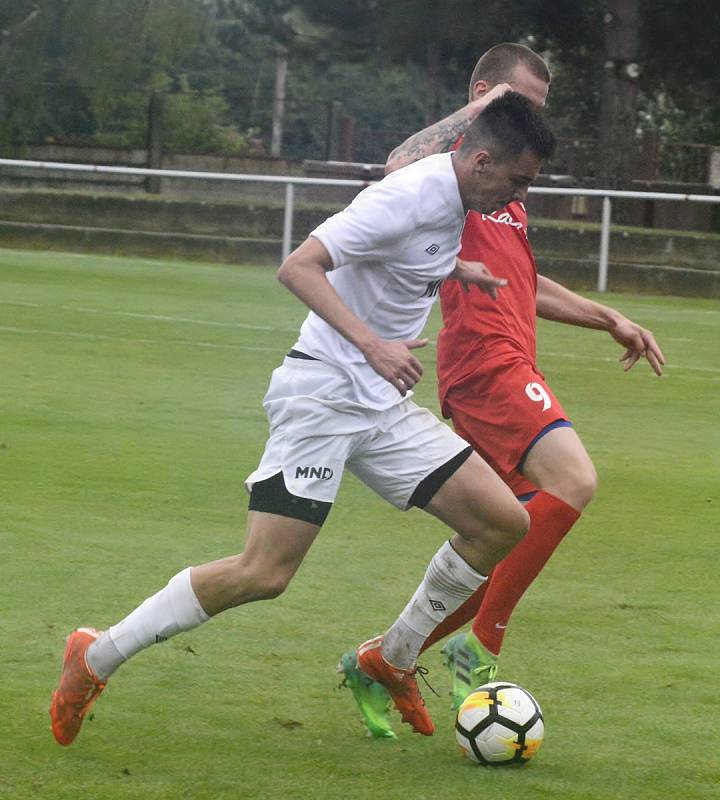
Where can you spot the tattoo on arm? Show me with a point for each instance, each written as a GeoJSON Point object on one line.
{"type": "Point", "coordinates": [437, 138]}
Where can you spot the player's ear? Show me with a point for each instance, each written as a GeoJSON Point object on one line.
{"type": "Point", "coordinates": [481, 160]}
{"type": "Point", "coordinates": [479, 88]}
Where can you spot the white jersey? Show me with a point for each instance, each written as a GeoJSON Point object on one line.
{"type": "Point", "coordinates": [391, 248]}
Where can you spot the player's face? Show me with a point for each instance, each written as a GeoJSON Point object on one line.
{"type": "Point", "coordinates": [494, 184]}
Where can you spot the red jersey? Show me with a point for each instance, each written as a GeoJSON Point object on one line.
{"type": "Point", "coordinates": [476, 327]}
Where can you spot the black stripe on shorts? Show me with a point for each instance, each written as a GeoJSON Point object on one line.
{"type": "Point", "coordinates": [428, 486]}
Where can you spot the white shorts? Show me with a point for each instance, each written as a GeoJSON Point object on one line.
{"type": "Point", "coordinates": [315, 432]}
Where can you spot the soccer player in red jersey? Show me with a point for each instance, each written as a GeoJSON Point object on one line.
{"type": "Point", "coordinates": [498, 400]}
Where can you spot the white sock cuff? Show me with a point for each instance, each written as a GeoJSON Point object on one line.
{"type": "Point", "coordinates": [449, 571]}
{"type": "Point", "coordinates": [184, 601]}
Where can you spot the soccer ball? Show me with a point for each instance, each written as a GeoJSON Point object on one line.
{"type": "Point", "coordinates": [499, 723]}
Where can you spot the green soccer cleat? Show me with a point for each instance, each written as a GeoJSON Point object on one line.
{"type": "Point", "coordinates": [372, 697]}
{"type": "Point", "coordinates": [470, 664]}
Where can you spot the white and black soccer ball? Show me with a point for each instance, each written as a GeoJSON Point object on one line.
{"type": "Point", "coordinates": [499, 723]}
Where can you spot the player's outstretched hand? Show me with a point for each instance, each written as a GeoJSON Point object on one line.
{"type": "Point", "coordinates": [482, 102]}
{"type": "Point", "coordinates": [639, 342]}
{"type": "Point", "coordinates": [477, 273]}
{"type": "Point", "coordinates": [394, 362]}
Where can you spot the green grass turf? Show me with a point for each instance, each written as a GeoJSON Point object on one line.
{"type": "Point", "coordinates": [131, 413]}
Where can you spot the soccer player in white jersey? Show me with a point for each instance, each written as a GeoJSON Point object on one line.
{"type": "Point", "coordinates": [342, 398]}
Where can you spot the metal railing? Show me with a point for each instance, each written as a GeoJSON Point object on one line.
{"type": "Point", "coordinates": [290, 182]}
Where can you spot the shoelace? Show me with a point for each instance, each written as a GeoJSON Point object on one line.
{"type": "Point", "coordinates": [422, 672]}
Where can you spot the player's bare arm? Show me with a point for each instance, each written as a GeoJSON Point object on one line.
{"type": "Point", "coordinates": [476, 273]}
{"type": "Point", "coordinates": [558, 304]}
{"type": "Point", "coordinates": [304, 273]}
{"type": "Point", "coordinates": [441, 136]}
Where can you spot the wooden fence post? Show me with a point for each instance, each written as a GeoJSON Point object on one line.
{"type": "Point", "coordinates": [156, 134]}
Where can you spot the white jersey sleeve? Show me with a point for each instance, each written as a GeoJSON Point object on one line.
{"type": "Point", "coordinates": [377, 223]}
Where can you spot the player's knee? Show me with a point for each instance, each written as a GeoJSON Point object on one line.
{"type": "Point", "coordinates": [270, 586]}
{"type": "Point", "coordinates": [271, 589]}
{"type": "Point", "coordinates": [575, 485]}
{"type": "Point", "coordinates": [581, 487]}
{"type": "Point", "coordinates": [589, 484]}
{"type": "Point", "coordinates": [516, 525]}
{"type": "Point", "coordinates": [505, 531]}
{"type": "Point", "coordinates": [248, 581]}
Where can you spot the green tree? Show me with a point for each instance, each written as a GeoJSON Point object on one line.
{"type": "Point", "coordinates": [23, 27]}
{"type": "Point", "coordinates": [679, 44]}
{"type": "Point", "coordinates": [112, 49]}
{"type": "Point", "coordinates": [86, 67]}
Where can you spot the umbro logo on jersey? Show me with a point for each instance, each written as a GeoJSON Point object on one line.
{"type": "Point", "coordinates": [432, 249]}
{"type": "Point", "coordinates": [321, 473]}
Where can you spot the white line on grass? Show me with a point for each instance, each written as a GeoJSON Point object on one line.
{"type": "Point", "coordinates": [156, 263]}
{"type": "Point", "coordinates": [214, 345]}
{"type": "Point", "coordinates": [663, 313]}
{"type": "Point", "coordinates": [105, 337]}
{"type": "Point", "coordinates": [158, 317]}
{"type": "Point", "coordinates": [576, 357]}
{"type": "Point", "coordinates": [164, 318]}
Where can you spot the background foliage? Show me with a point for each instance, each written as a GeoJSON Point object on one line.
{"type": "Point", "coordinates": [84, 69]}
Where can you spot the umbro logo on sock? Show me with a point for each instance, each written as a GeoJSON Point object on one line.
{"type": "Point", "coordinates": [159, 639]}
{"type": "Point", "coordinates": [437, 605]}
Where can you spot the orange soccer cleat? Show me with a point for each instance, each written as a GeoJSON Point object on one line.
{"type": "Point", "coordinates": [400, 684]}
{"type": "Point", "coordinates": [79, 687]}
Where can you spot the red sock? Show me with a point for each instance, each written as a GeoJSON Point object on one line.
{"type": "Point", "coordinates": [550, 520]}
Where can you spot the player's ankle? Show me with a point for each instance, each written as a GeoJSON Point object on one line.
{"type": "Point", "coordinates": [103, 658]}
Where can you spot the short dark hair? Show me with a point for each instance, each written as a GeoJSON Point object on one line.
{"type": "Point", "coordinates": [498, 64]}
{"type": "Point", "coordinates": [506, 127]}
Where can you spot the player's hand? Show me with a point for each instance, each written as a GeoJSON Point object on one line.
{"type": "Point", "coordinates": [394, 362]}
{"type": "Point", "coordinates": [482, 102]}
{"type": "Point", "coordinates": [475, 272]}
{"type": "Point", "coordinates": [639, 343]}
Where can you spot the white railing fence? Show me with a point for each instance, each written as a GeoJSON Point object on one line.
{"type": "Point", "coordinates": [290, 182]}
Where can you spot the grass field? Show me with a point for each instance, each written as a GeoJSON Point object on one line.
{"type": "Point", "coordinates": [131, 413]}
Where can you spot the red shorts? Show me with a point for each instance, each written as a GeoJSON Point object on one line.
{"type": "Point", "coordinates": [499, 411]}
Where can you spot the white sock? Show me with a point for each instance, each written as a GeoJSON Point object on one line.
{"type": "Point", "coordinates": [172, 610]}
{"type": "Point", "coordinates": [448, 582]}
